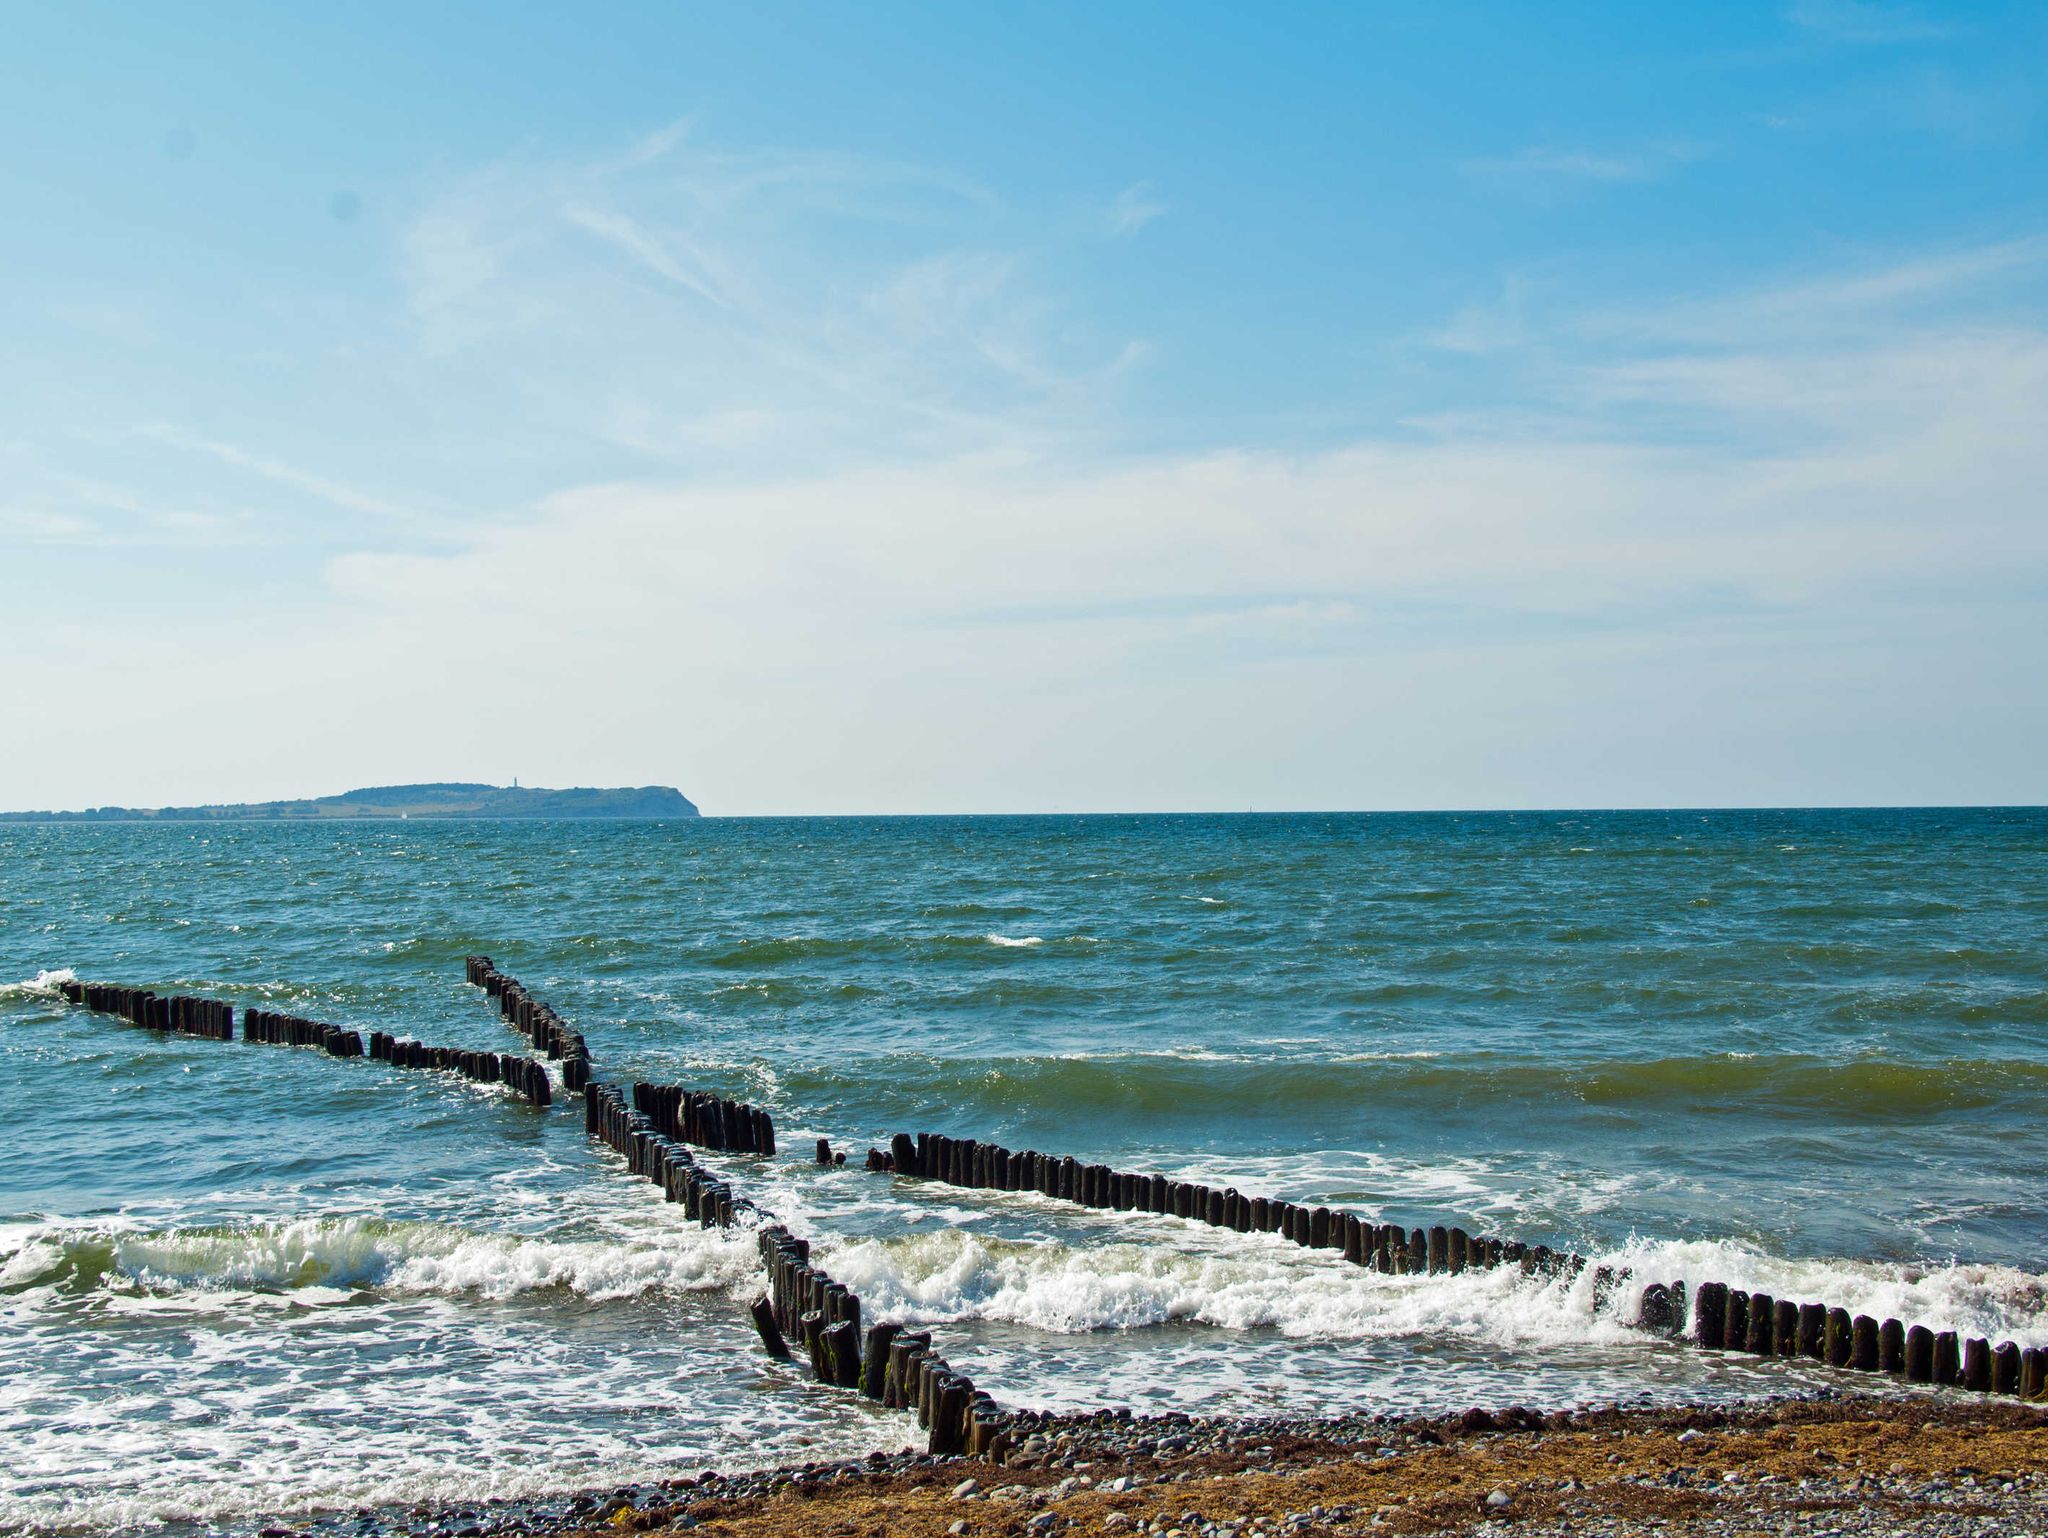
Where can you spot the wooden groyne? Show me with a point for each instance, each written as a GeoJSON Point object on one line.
{"type": "Point", "coordinates": [660, 1157]}
{"type": "Point", "coordinates": [522, 1074]}
{"type": "Point", "coordinates": [697, 1116]}
{"type": "Point", "coordinates": [801, 1304]}
{"type": "Point", "coordinates": [538, 1021]}
{"type": "Point", "coordinates": [212, 1019]}
{"type": "Point", "coordinates": [208, 1019]}
{"type": "Point", "coordinates": [1722, 1318]}
{"type": "Point", "coordinates": [1755, 1323]}
{"type": "Point", "coordinates": [1387, 1248]}
{"type": "Point", "coordinates": [279, 1030]}
{"type": "Point", "coordinates": [895, 1367]}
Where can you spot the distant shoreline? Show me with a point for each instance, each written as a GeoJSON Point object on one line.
{"type": "Point", "coordinates": [446, 801]}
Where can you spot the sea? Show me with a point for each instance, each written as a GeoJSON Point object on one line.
{"type": "Point", "coordinates": [1800, 1051]}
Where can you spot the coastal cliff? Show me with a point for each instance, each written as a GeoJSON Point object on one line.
{"type": "Point", "coordinates": [446, 800]}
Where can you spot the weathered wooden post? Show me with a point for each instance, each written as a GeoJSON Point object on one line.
{"type": "Point", "coordinates": [1763, 1321]}
{"type": "Point", "coordinates": [842, 1348]}
{"type": "Point", "coordinates": [771, 1336]}
{"type": "Point", "coordinates": [1977, 1364]}
{"type": "Point", "coordinates": [1891, 1347]}
{"type": "Point", "coordinates": [1710, 1315]}
{"type": "Point", "coordinates": [875, 1365]}
{"type": "Point", "coordinates": [2033, 1372]}
{"type": "Point", "coordinates": [1813, 1331]}
{"type": "Point", "coordinates": [1735, 1330]}
{"type": "Point", "coordinates": [2005, 1368]}
{"type": "Point", "coordinates": [1919, 1354]}
{"type": "Point", "coordinates": [1948, 1367]}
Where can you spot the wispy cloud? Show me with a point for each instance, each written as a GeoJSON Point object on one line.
{"type": "Point", "coordinates": [867, 306]}
{"type": "Point", "coordinates": [1866, 21]}
{"type": "Point", "coordinates": [670, 256]}
{"type": "Point", "coordinates": [1546, 163]}
{"type": "Point", "coordinates": [264, 467]}
{"type": "Point", "coordinates": [1135, 207]}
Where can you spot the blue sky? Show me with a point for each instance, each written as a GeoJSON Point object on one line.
{"type": "Point", "coordinates": [953, 408]}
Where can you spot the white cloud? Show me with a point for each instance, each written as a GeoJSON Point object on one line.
{"type": "Point", "coordinates": [1866, 21]}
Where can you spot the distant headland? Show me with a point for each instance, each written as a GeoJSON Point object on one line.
{"type": "Point", "coordinates": [408, 801]}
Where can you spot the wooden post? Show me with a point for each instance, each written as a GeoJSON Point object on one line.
{"type": "Point", "coordinates": [1919, 1361]}
{"type": "Point", "coordinates": [2033, 1372]}
{"type": "Point", "coordinates": [1736, 1330]}
{"type": "Point", "coordinates": [1813, 1331]}
{"type": "Point", "coordinates": [1977, 1364]}
{"type": "Point", "coordinates": [2005, 1368]}
{"type": "Point", "coordinates": [1863, 1352]}
{"type": "Point", "coordinates": [949, 1422]}
{"type": "Point", "coordinates": [1948, 1367]}
{"type": "Point", "coordinates": [842, 1348]}
{"type": "Point", "coordinates": [1653, 1312]}
{"type": "Point", "coordinates": [1891, 1347]}
{"type": "Point", "coordinates": [1839, 1332]}
{"type": "Point", "coordinates": [771, 1336]}
{"type": "Point", "coordinates": [875, 1365]}
{"type": "Point", "coordinates": [1710, 1317]}
{"type": "Point", "coordinates": [1763, 1321]}
{"type": "Point", "coordinates": [1785, 1328]}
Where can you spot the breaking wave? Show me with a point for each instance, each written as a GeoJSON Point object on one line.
{"type": "Point", "coordinates": [357, 1253]}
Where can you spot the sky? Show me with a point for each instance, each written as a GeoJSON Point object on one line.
{"type": "Point", "coordinates": [1014, 408]}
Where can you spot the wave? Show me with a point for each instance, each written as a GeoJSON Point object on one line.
{"type": "Point", "coordinates": [1250, 1283]}
{"type": "Point", "coordinates": [1007, 940]}
{"type": "Point", "coordinates": [43, 985]}
{"type": "Point", "coordinates": [360, 1253]}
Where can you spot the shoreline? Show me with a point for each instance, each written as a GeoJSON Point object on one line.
{"type": "Point", "coordinates": [1833, 1463]}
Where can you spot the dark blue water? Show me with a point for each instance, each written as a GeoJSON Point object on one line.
{"type": "Point", "coordinates": [1805, 1051]}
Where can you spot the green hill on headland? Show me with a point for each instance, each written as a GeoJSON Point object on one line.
{"type": "Point", "coordinates": [409, 801]}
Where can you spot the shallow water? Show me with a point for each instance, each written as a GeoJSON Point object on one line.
{"type": "Point", "coordinates": [1806, 1052]}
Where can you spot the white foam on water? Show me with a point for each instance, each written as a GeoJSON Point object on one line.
{"type": "Point", "coordinates": [1997, 1302]}
{"type": "Point", "coordinates": [1149, 1271]}
{"type": "Point", "coordinates": [342, 1255]}
{"type": "Point", "coordinates": [433, 1399]}
{"type": "Point", "coordinates": [1013, 942]}
{"type": "Point", "coordinates": [44, 985]}
{"type": "Point", "coordinates": [1253, 1283]}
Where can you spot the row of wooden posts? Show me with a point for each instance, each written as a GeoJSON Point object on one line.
{"type": "Point", "coordinates": [279, 1030]}
{"type": "Point", "coordinates": [697, 1116]}
{"type": "Point", "coordinates": [895, 1367]}
{"type": "Point", "coordinates": [214, 1020]}
{"type": "Point", "coordinates": [542, 1027]}
{"type": "Point", "coordinates": [657, 1156]}
{"type": "Point", "coordinates": [523, 1074]}
{"type": "Point", "coordinates": [1729, 1319]}
{"type": "Point", "coordinates": [206, 1018]}
{"type": "Point", "coordinates": [1378, 1247]}
{"type": "Point", "coordinates": [1724, 1318]}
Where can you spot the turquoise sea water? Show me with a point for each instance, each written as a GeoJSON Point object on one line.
{"type": "Point", "coordinates": [1802, 1051]}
